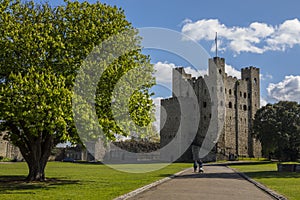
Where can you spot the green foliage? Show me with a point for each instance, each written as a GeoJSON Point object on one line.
{"type": "Point", "coordinates": [59, 39]}
{"type": "Point", "coordinates": [33, 104]}
{"type": "Point", "coordinates": [277, 126]}
{"type": "Point", "coordinates": [4, 159]}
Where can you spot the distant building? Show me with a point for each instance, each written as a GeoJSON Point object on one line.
{"type": "Point", "coordinates": [242, 100]}
{"type": "Point", "coordinates": [8, 150]}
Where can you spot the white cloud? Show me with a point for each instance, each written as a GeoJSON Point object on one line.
{"type": "Point", "coordinates": [231, 71]}
{"type": "Point", "coordinates": [256, 38]}
{"type": "Point", "coordinates": [163, 72]}
{"type": "Point", "coordinates": [263, 102]}
{"type": "Point", "coordinates": [265, 77]}
{"type": "Point", "coordinates": [195, 73]}
{"type": "Point", "coordinates": [286, 90]}
{"type": "Point", "coordinates": [286, 35]}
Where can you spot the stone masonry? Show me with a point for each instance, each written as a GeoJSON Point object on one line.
{"type": "Point", "coordinates": [241, 101]}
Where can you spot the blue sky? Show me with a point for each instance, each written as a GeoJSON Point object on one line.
{"type": "Point", "coordinates": [264, 34]}
{"type": "Point", "coordinates": [262, 22]}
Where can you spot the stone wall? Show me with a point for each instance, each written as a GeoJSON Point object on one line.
{"type": "Point", "coordinates": [241, 103]}
{"type": "Point", "coordinates": [8, 150]}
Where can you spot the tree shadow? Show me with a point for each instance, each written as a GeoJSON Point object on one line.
{"type": "Point", "coordinates": [272, 174]}
{"type": "Point", "coordinates": [210, 175]}
{"type": "Point", "coordinates": [13, 184]}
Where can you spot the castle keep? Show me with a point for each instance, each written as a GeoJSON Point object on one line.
{"type": "Point", "coordinates": [241, 99]}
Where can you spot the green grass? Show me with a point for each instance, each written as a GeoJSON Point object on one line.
{"type": "Point", "coordinates": [285, 183]}
{"type": "Point", "coordinates": [77, 181]}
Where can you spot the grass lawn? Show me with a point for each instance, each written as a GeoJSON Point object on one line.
{"type": "Point", "coordinates": [285, 183]}
{"type": "Point", "coordinates": [76, 181]}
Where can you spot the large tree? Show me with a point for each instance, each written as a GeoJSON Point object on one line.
{"type": "Point", "coordinates": [277, 126]}
{"type": "Point", "coordinates": [36, 112]}
{"type": "Point", "coordinates": [42, 49]}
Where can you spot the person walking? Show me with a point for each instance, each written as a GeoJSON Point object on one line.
{"type": "Point", "coordinates": [197, 161]}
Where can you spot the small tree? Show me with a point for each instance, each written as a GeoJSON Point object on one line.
{"type": "Point", "coordinates": [277, 127]}
{"type": "Point", "coordinates": [36, 111]}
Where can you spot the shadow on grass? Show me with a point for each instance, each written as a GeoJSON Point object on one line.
{"type": "Point", "coordinates": [15, 184]}
{"type": "Point", "coordinates": [272, 174]}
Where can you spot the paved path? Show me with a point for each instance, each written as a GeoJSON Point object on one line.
{"type": "Point", "coordinates": [217, 183]}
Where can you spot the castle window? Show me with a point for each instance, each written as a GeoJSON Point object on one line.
{"type": "Point", "coordinates": [230, 105]}
{"type": "Point", "coordinates": [245, 107]}
{"type": "Point", "coordinates": [225, 90]}
{"type": "Point", "coordinates": [245, 95]}
{"type": "Point", "coordinates": [241, 94]}
{"type": "Point", "coordinates": [209, 115]}
{"type": "Point", "coordinates": [255, 81]}
{"type": "Point", "coordinates": [220, 71]}
{"type": "Point", "coordinates": [230, 91]}
{"type": "Point", "coordinates": [204, 104]}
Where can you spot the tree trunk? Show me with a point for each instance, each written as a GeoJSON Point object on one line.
{"type": "Point", "coordinates": [37, 157]}
{"type": "Point", "coordinates": [36, 171]}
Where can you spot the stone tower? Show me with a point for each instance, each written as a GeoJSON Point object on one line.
{"type": "Point", "coordinates": [241, 98]}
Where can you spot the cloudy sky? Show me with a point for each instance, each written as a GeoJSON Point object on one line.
{"type": "Point", "coordinates": [264, 34]}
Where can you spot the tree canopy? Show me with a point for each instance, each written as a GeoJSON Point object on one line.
{"type": "Point", "coordinates": [42, 50]}
{"type": "Point", "coordinates": [277, 126]}
{"type": "Point", "coordinates": [36, 111]}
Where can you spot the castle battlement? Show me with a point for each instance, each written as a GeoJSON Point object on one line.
{"type": "Point", "coordinates": [242, 99]}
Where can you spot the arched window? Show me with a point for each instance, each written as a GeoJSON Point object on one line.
{"type": "Point", "coordinates": [245, 95]}
{"type": "Point", "coordinates": [229, 91]}
{"type": "Point", "coordinates": [230, 105]}
{"type": "Point", "coordinates": [245, 107]}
